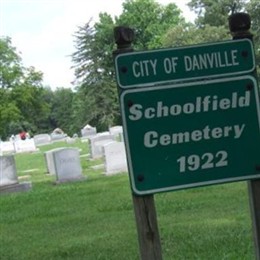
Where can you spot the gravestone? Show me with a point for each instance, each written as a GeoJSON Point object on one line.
{"type": "Point", "coordinates": [117, 131]}
{"type": "Point", "coordinates": [97, 142]}
{"type": "Point", "coordinates": [27, 145]}
{"type": "Point", "coordinates": [88, 131]}
{"type": "Point", "coordinates": [67, 165]}
{"type": "Point", "coordinates": [70, 140]}
{"type": "Point", "coordinates": [75, 136]}
{"type": "Point", "coordinates": [55, 137]}
{"type": "Point", "coordinates": [8, 176]}
{"type": "Point", "coordinates": [48, 156]}
{"type": "Point", "coordinates": [7, 147]}
{"type": "Point", "coordinates": [42, 139]}
{"type": "Point", "coordinates": [115, 158]}
{"type": "Point", "coordinates": [8, 170]}
{"type": "Point", "coordinates": [17, 137]}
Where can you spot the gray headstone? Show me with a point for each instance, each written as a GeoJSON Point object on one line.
{"type": "Point", "coordinates": [8, 176]}
{"type": "Point", "coordinates": [67, 165]}
{"type": "Point", "coordinates": [8, 173]}
{"type": "Point", "coordinates": [97, 142]}
{"type": "Point", "coordinates": [116, 131]}
{"type": "Point", "coordinates": [58, 137]}
{"type": "Point", "coordinates": [88, 131]}
{"type": "Point", "coordinates": [70, 140]}
{"type": "Point", "coordinates": [27, 145]}
{"type": "Point", "coordinates": [7, 147]}
{"type": "Point", "coordinates": [48, 156]}
{"type": "Point", "coordinates": [42, 139]}
{"type": "Point", "coordinates": [115, 158]}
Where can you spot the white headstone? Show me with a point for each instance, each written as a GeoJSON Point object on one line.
{"type": "Point", "coordinates": [97, 142]}
{"type": "Point", "coordinates": [8, 174]}
{"type": "Point", "coordinates": [27, 145]}
{"type": "Point", "coordinates": [7, 147]}
{"type": "Point", "coordinates": [70, 140]}
{"type": "Point", "coordinates": [88, 131]}
{"type": "Point", "coordinates": [48, 155]}
{"type": "Point", "coordinates": [117, 131]}
{"type": "Point", "coordinates": [67, 165]}
{"type": "Point", "coordinates": [115, 158]}
{"type": "Point", "coordinates": [42, 139]}
{"type": "Point", "coordinates": [58, 137]}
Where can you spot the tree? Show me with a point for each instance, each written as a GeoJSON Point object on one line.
{"type": "Point", "coordinates": [10, 64]}
{"type": "Point", "coordinates": [253, 9]}
{"type": "Point", "coordinates": [94, 73]}
{"type": "Point", "coordinates": [215, 12]}
{"type": "Point", "coordinates": [150, 21]}
{"type": "Point", "coordinates": [93, 63]}
{"type": "Point", "coordinates": [21, 101]}
{"type": "Point", "coordinates": [61, 110]}
{"type": "Point", "coordinates": [10, 72]}
{"type": "Point", "coordinates": [183, 35]}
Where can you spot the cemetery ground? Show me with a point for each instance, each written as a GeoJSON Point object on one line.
{"type": "Point", "coordinates": [94, 219]}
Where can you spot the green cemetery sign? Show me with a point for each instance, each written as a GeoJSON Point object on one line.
{"type": "Point", "coordinates": [139, 69]}
{"type": "Point", "coordinates": [192, 134]}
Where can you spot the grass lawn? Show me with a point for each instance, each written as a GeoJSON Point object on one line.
{"type": "Point", "coordinates": [94, 219]}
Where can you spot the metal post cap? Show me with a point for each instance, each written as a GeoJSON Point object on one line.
{"type": "Point", "coordinates": [123, 35]}
{"type": "Point", "coordinates": [239, 22]}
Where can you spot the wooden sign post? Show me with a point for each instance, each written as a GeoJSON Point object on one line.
{"type": "Point", "coordinates": [239, 25]}
{"type": "Point", "coordinates": [144, 207]}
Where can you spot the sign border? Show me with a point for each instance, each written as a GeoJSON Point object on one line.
{"type": "Point", "coordinates": [186, 84]}
{"type": "Point", "coordinates": [182, 79]}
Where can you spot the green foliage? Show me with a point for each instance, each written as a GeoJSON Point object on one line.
{"type": "Point", "coordinates": [188, 35]}
{"type": "Point", "coordinates": [253, 8]}
{"type": "Point", "coordinates": [97, 98]}
{"type": "Point", "coordinates": [215, 12]}
{"type": "Point", "coordinates": [10, 64]}
{"type": "Point", "coordinates": [150, 21]}
{"type": "Point", "coordinates": [22, 104]}
{"type": "Point", "coordinates": [29, 100]}
{"type": "Point", "coordinates": [61, 109]}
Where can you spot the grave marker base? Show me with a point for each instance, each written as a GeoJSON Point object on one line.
{"type": "Point", "coordinates": [18, 187]}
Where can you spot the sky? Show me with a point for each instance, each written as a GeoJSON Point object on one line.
{"type": "Point", "coordinates": [42, 31]}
